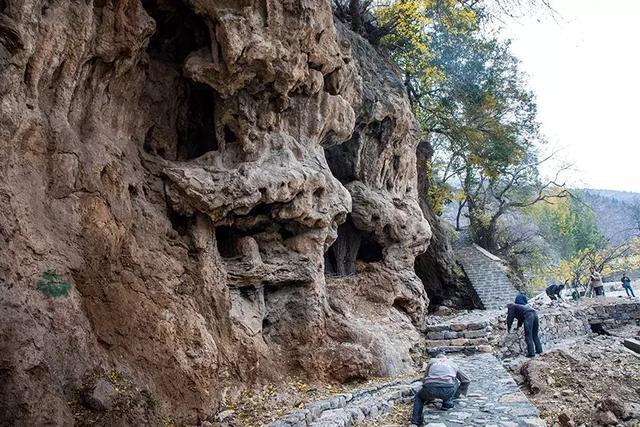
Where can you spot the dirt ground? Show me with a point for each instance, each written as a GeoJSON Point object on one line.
{"type": "Point", "coordinates": [592, 381]}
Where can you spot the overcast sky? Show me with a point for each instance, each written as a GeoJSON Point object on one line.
{"type": "Point", "coordinates": [584, 67]}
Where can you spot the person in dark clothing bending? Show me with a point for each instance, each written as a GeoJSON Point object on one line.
{"type": "Point", "coordinates": [521, 298]}
{"type": "Point", "coordinates": [527, 315]}
{"type": "Point", "coordinates": [553, 292]}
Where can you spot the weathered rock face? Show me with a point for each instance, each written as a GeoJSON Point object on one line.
{"type": "Point", "coordinates": [187, 168]}
{"type": "Point", "coordinates": [444, 280]}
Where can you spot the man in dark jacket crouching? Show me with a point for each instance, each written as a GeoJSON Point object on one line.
{"type": "Point", "coordinates": [443, 380]}
{"type": "Point", "coordinates": [527, 315]}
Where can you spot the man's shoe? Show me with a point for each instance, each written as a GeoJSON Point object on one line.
{"type": "Point", "coordinates": [531, 356]}
{"type": "Point", "coordinates": [446, 407]}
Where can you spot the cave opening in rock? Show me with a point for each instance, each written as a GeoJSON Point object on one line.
{"type": "Point", "coordinates": [226, 239]}
{"type": "Point", "coordinates": [179, 222]}
{"type": "Point", "coordinates": [350, 246]}
{"type": "Point", "coordinates": [370, 250]}
{"type": "Point", "coordinates": [443, 286]}
{"type": "Point", "coordinates": [342, 159]}
{"type": "Point", "coordinates": [195, 123]}
{"type": "Point", "coordinates": [180, 32]}
{"type": "Point", "coordinates": [229, 135]}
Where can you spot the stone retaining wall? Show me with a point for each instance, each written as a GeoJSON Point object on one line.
{"type": "Point", "coordinates": [564, 323]}
{"type": "Point", "coordinates": [488, 333]}
{"type": "Point", "coordinates": [348, 409]}
{"type": "Point", "coordinates": [453, 337]}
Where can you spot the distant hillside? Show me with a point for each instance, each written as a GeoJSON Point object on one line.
{"type": "Point", "coordinates": [614, 210]}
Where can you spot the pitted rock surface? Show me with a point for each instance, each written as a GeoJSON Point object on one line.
{"type": "Point", "coordinates": [194, 169]}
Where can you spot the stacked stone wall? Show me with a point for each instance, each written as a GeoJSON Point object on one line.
{"type": "Point", "coordinates": [564, 323]}
{"type": "Point", "coordinates": [486, 331]}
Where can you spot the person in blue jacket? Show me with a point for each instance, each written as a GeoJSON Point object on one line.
{"type": "Point", "coordinates": [626, 284]}
{"type": "Point", "coordinates": [521, 299]}
{"type": "Point", "coordinates": [526, 315]}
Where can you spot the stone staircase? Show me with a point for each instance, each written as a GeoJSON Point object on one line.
{"type": "Point", "coordinates": [487, 276]}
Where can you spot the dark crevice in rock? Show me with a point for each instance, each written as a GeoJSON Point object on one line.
{"type": "Point", "coordinates": [226, 239]}
{"type": "Point", "coordinates": [342, 159]}
{"type": "Point", "coordinates": [180, 223]}
{"type": "Point", "coordinates": [229, 135]}
{"type": "Point", "coordinates": [443, 279]}
{"type": "Point", "coordinates": [262, 209]}
{"type": "Point", "coordinates": [266, 324]}
{"type": "Point", "coordinates": [350, 246]}
{"type": "Point", "coordinates": [598, 328]}
{"type": "Point", "coordinates": [370, 250]}
{"type": "Point", "coordinates": [179, 32]}
{"type": "Point", "coordinates": [332, 82]}
{"type": "Point", "coordinates": [195, 122]}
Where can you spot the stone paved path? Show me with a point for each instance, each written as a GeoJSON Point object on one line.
{"type": "Point", "coordinates": [494, 399]}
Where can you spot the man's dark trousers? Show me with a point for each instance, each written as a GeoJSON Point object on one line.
{"type": "Point", "coordinates": [431, 391]}
{"type": "Point", "coordinates": [531, 326]}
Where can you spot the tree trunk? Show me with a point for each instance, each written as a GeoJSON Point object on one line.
{"type": "Point", "coordinates": [356, 18]}
{"type": "Point", "coordinates": [460, 207]}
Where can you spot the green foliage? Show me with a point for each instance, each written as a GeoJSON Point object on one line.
{"type": "Point", "coordinates": [53, 286]}
{"type": "Point", "coordinates": [569, 225]}
{"type": "Point", "coordinates": [473, 106]}
{"type": "Point", "coordinates": [606, 259]}
{"type": "Point", "coordinates": [466, 88]}
{"type": "Point", "coordinates": [482, 118]}
{"type": "Point", "coordinates": [439, 193]}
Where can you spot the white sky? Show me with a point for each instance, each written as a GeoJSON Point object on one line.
{"type": "Point", "coordinates": [584, 67]}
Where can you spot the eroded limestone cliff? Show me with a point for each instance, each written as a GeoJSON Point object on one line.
{"type": "Point", "coordinates": [228, 185]}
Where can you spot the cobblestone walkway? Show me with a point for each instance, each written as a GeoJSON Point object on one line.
{"type": "Point", "coordinates": [494, 399]}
